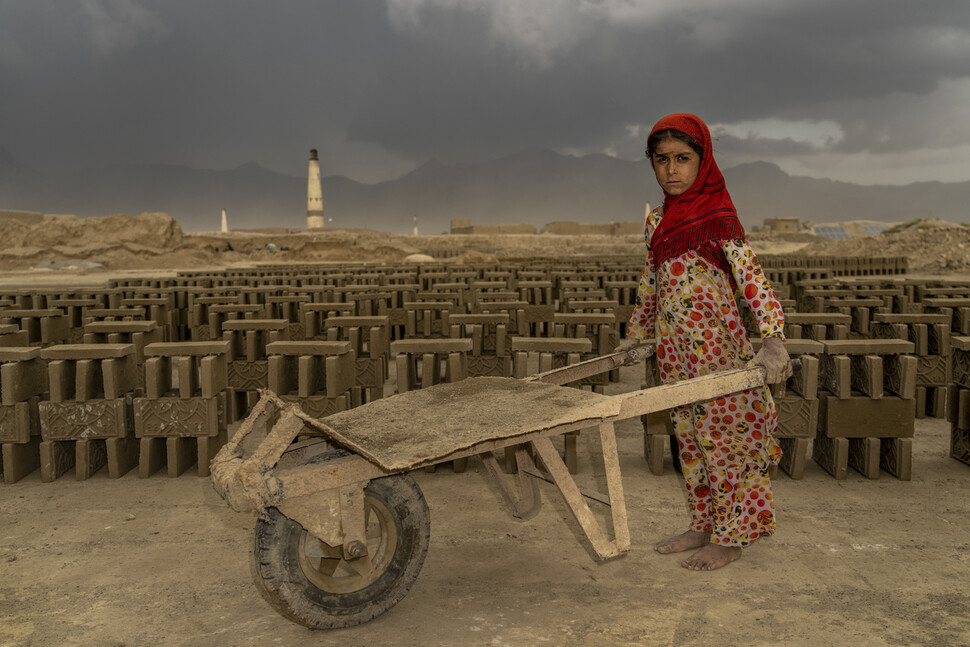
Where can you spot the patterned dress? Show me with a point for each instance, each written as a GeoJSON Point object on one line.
{"type": "Point", "coordinates": [726, 444]}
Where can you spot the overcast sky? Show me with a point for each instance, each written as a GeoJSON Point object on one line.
{"type": "Point", "coordinates": [867, 91]}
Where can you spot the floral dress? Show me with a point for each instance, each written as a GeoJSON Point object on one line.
{"type": "Point", "coordinates": [726, 444]}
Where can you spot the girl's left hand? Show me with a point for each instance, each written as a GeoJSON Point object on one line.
{"type": "Point", "coordinates": [774, 358]}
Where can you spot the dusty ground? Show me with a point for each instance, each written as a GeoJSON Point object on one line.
{"type": "Point", "coordinates": [164, 561]}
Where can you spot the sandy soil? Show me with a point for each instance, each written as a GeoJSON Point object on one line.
{"type": "Point", "coordinates": [166, 561]}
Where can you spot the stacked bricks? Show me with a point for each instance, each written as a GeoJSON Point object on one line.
{"type": "Point", "coordinates": [87, 422]}
{"type": "Point", "coordinates": [600, 329]}
{"type": "Point", "coordinates": [182, 418]}
{"type": "Point", "coordinates": [248, 364]}
{"type": "Point", "coordinates": [12, 335]}
{"type": "Point", "coordinates": [490, 353]}
{"type": "Point", "coordinates": [797, 404]}
{"type": "Point", "coordinates": [553, 352]}
{"type": "Point", "coordinates": [959, 400]}
{"type": "Point", "coordinates": [422, 363]}
{"type": "Point", "coordinates": [658, 428]}
{"type": "Point", "coordinates": [369, 338]}
{"type": "Point", "coordinates": [23, 381]}
{"type": "Point", "coordinates": [316, 375]}
{"type": "Point", "coordinates": [930, 335]}
{"type": "Point", "coordinates": [137, 333]}
{"type": "Point", "coordinates": [867, 407]}
{"type": "Point", "coordinates": [44, 326]}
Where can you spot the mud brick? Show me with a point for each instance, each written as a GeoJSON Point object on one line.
{"type": "Point", "coordinates": [936, 401]}
{"type": "Point", "coordinates": [864, 456]}
{"type": "Point", "coordinates": [864, 366]}
{"type": "Point", "coordinates": [319, 406]}
{"type": "Point", "coordinates": [861, 417]}
{"type": "Point", "coordinates": [306, 369]}
{"type": "Point", "coordinates": [896, 457]}
{"type": "Point", "coordinates": [489, 365]}
{"type": "Point", "coordinates": [960, 361]}
{"type": "Point", "coordinates": [179, 417]}
{"type": "Point", "coordinates": [805, 381]}
{"type": "Point", "coordinates": [95, 315]}
{"type": "Point", "coordinates": [657, 430]}
{"type": "Point", "coordinates": [19, 422]}
{"type": "Point", "coordinates": [90, 419]}
{"type": "Point", "coordinates": [56, 458]}
{"type": "Point", "coordinates": [818, 326]}
{"type": "Point", "coordinates": [314, 316]}
{"type": "Point", "coordinates": [794, 455]}
{"type": "Point", "coordinates": [368, 336]}
{"type": "Point", "coordinates": [44, 326]}
{"type": "Point", "coordinates": [601, 329]}
{"type": "Point", "coordinates": [518, 323]}
{"type": "Point", "coordinates": [139, 333]}
{"type": "Point", "coordinates": [835, 374]}
{"type": "Point", "coordinates": [370, 375]}
{"type": "Point", "coordinates": [428, 319]}
{"type": "Point", "coordinates": [420, 361]}
{"type": "Point", "coordinates": [12, 335]}
{"type": "Point", "coordinates": [899, 373]}
{"type": "Point", "coordinates": [248, 376]}
{"type": "Point", "coordinates": [17, 460]}
{"type": "Point", "coordinates": [161, 310]}
{"type": "Point", "coordinates": [83, 372]}
{"type": "Point", "coordinates": [180, 455]}
{"type": "Point", "coordinates": [201, 369]}
{"type": "Point", "coordinates": [959, 444]}
{"type": "Point", "coordinates": [90, 455]}
{"type": "Point", "coordinates": [488, 332]}
{"type": "Point", "coordinates": [832, 454]}
{"type": "Point", "coordinates": [23, 374]}
{"type": "Point", "coordinates": [248, 337]}
{"type": "Point", "coordinates": [219, 314]}
{"type": "Point", "coordinates": [933, 370]}
{"type": "Point", "coordinates": [797, 417]}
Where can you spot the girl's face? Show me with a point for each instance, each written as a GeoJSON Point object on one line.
{"type": "Point", "coordinates": [675, 164]}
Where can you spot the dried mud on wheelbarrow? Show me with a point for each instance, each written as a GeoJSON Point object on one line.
{"type": "Point", "coordinates": [421, 427]}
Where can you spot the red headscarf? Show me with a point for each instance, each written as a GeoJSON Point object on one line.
{"type": "Point", "coordinates": [704, 212]}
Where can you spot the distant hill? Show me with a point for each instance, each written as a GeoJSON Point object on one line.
{"type": "Point", "coordinates": [534, 186]}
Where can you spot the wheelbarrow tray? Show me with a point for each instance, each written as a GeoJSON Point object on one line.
{"type": "Point", "coordinates": [424, 427]}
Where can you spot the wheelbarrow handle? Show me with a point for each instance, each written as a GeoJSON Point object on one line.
{"type": "Point", "coordinates": [595, 366]}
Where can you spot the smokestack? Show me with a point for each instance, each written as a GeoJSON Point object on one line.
{"type": "Point", "coordinates": [225, 223]}
{"type": "Point", "coordinates": [314, 194]}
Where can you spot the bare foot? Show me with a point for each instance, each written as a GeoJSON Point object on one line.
{"type": "Point", "coordinates": [686, 541]}
{"type": "Point", "coordinates": [712, 556]}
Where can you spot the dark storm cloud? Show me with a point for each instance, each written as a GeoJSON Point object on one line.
{"type": "Point", "coordinates": [386, 85]}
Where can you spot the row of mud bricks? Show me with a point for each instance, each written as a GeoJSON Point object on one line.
{"type": "Point", "coordinates": [571, 336]}
{"type": "Point", "coordinates": [875, 356]}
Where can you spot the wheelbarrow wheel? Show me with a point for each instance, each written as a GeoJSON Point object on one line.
{"type": "Point", "coordinates": [308, 582]}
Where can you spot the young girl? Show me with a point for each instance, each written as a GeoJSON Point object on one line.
{"type": "Point", "coordinates": [696, 258]}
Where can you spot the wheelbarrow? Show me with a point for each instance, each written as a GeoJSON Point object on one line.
{"type": "Point", "coordinates": [342, 530]}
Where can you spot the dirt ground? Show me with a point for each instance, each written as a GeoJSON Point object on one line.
{"type": "Point", "coordinates": [165, 561]}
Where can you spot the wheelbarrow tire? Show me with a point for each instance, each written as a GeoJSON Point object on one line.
{"type": "Point", "coordinates": [280, 574]}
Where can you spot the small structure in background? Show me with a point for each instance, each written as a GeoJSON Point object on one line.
{"type": "Point", "coordinates": [314, 193]}
{"type": "Point", "coordinates": [225, 223]}
{"type": "Point", "coordinates": [465, 226]}
{"type": "Point", "coordinates": [415, 226]}
{"type": "Point", "coordinates": [782, 225]}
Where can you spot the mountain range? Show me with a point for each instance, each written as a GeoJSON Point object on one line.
{"type": "Point", "coordinates": [533, 186]}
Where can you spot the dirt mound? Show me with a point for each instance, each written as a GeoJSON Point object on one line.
{"type": "Point", "coordinates": [930, 246]}
{"type": "Point", "coordinates": [99, 240]}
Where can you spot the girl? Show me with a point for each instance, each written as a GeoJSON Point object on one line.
{"type": "Point", "coordinates": [696, 258]}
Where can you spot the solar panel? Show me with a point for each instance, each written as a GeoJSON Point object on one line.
{"type": "Point", "coordinates": [875, 230]}
{"type": "Point", "coordinates": [831, 233]}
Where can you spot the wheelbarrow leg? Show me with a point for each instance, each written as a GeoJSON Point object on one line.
{"type": "Point", "coordinates": [523, 500]}
{"type": "Point", "coordinates": [603, 546]}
